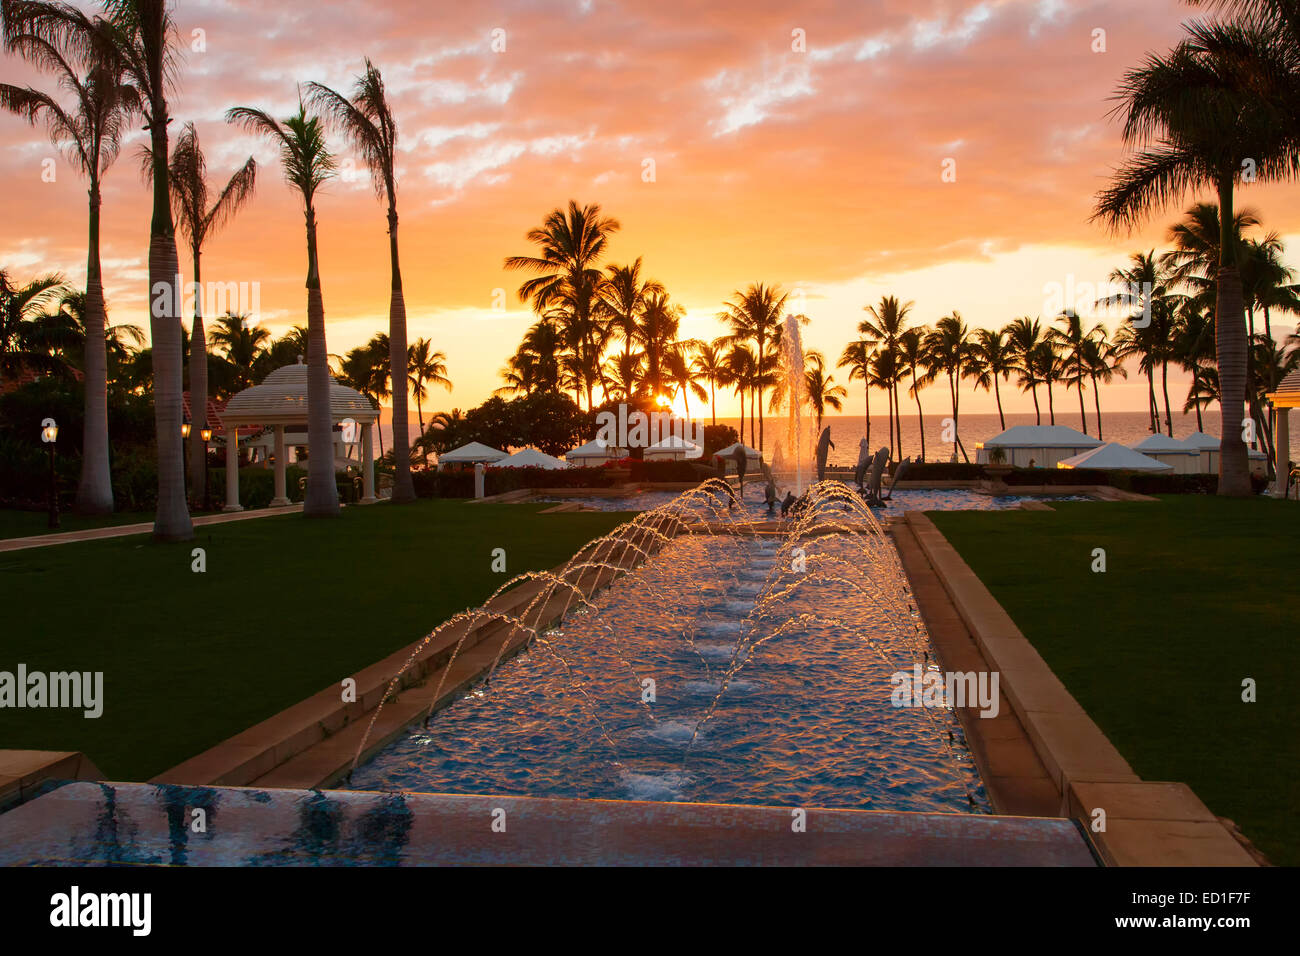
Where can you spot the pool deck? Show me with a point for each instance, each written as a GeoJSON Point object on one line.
{"type": "Point", "coordinates": [143, 824]}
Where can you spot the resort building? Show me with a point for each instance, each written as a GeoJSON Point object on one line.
{"type": "Point", "coordinates": [1034, 446]}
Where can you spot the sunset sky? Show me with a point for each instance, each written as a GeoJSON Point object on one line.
{"type": "Point", "coordinates": [819, 170]}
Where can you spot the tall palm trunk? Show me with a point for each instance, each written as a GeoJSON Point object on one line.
{"type": "Point", "coordinates": [1002, 419]}
{"type": "Point", "coordinates": [866, 405]}
{"type": "Point", "coordinates": [322, 493]}
{"type": "Point", "coordinates": [1164, 385]}
{"type": "Point", "coordinates": [403, 487]}
{"type": "Point", "coordinates": [920, 416]}
{"type": "Point", "coordinates": [1083, 417]}
{"type": "Point", "coordinates": [1230, 349]}
{"type": "Point", "coordinates": [95, 490]}
{"type": "Point", "coordinates": [1051, 405]}
{"type": "Point", "coordinates": [1038, 412]}
{"type": "Point", "coordinates": [172, 519]}
{"type": "Point", "coordinates": [1153, 407]}
{"type": "Point", "coordinates": [1096, 400]}
{"type": "Point", "coordinates": [198, 391]}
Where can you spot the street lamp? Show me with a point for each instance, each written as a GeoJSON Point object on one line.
{"type": "Point", "coordinates": [206, 434]}
{"type": "Point", "coordinates": [185, 452]}
{"type": "Point", "coordinates": [50, 435]}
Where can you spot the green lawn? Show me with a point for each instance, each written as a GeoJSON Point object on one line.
{"type": "Point", "coordinates": [1199, 593]}
{"type": "Point", "coordinates": [21, 524]}
{"type": "Point", "coordinates": [286, 607]}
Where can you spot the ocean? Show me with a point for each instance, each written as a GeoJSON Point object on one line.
{"type": "Point", "coordinates": [1127, 428]}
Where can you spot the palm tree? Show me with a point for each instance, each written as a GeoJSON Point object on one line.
{"type": "Point", "coordinates": [857, 357]}
{"type": "Point", "coordinates": [913, 356]}
{"type": "Point", "coordinates": [425, 367]}
{"type": "Point", "coordinates": [119, 340]}
{"type": "Point", "coordinates": [624, 295]}
{"type": "Point", "coordinates": [656, 332]}
{"type": "Point", "coordinates": [755, 314]}
{"type": "Point", "coordinates": [711, 364]}
{"type": "Point", "coordinates": [25, 325]}
{"type": "Point", "coordinates": [1148, 331]}
{"type": "Point", "coordinates": [742, 368]}
{"type": "Point", "coordinates": [886, 373]}
{"type": "Point", "coordinates": [886, 325]}
{"type": "Point", "coordinates": [90, 133]}
{"type": "Point", "coordinates": [367, 122]}
{"type": "Point", "coordinates": [198, 221]}
{"type": "Point", "coordinates": [1045, 368]}
{"type": "Point", "coordinates": [993, 360]}
{"type": "Point", "coordinates": [822, 391]}
{"type": "Point", "coordinates": [1024, 335]}
{"type": "Point", "coordinates": [1196, 114]}
{"type": "Point", "coordinates": [366, 369]}
{"type": "Point", "coordinates": [949, 351]}
{"type": "Point", "coordinates": [1071, 339]}
{"type": "Point", "coordinates": [571, 244]}
{"type": "Point", "coordinates": [1102, 363]}
{"type": "Point", "coordinates": [243, 344]}
{"type": "Point", "coordinates": [1202, 392]}
{"type": "Point", "coordinates": [677, 364]}
{"type": "Point", "coordinates": [308, 164]}
{"type": "Point", "coordinates": [623, 372]}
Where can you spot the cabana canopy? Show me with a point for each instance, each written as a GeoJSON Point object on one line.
{"type": "Point", "coordinates": [730, 451]}
{"type": "Point", "coordinates": [596, 449]}
{"type": "Point", "coordinates": [674, 446]}
{"type": "Point", "coordinates": [1114, 456]}
{"type": "Point", "coordinates": [530, 458]}
{"type": "Point", "coordinates": [1164, 445]}
{"type": "Point", "coordinates": [471, 454]}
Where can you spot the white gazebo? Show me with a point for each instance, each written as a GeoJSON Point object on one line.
{"type": "Point", "coordinates": [1185, 459]}
{"type": "Point", "coordinates": [281, 400]}
{"type": "Point", "coordinates": [595, 452]}
{"type": "Point", "coordinates": [1283, 400]}
{"type": "Point", "coordinates": [1208, 446]}
{"type": "Point", "coordinates": [673, 448]}
{"type": "Point", "coordinates": [531, 458]}
{"type": "Point", "coordinates": [1113, 456]}
{"type": "Point", "coordinates": [475, 453]}
{"type": "Point", "coordinates": [1035, 446]}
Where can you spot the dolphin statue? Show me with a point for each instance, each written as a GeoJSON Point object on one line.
{"type": "Point", "coordinates": [824, 444]}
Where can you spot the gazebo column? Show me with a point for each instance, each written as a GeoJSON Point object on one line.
{"type": "Point", "coordinates": [368, 464]}
{"type": "Point", "coordinates": [1282, 451]}
{"type": "Point", "coordinates": [232, 469]}
{"type": "Point", "coordinates": [281, 497]}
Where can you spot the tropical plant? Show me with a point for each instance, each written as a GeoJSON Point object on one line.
{"type": "Point", "coordinates": [366, 120]}
{"type": "Point", "coordinates": [307, 164]}
{"type": "Point", "coordinates": [886, 325]}
{"type": "Point", "coordinates": [820, 387]}
{"type": "Point", "coordinates": [856, 357]}
{"type": "Point", "coordinates": [914, 357]}
{"type": "Point", "coordinates": [89, 132]}
{"type": "Point", "coordinates": [949, 351]}
{"type": "Point", "coordinates": [756, 315]}
{"type": "Point", "coordinates": [425, 367]}
{"type": "Point", "coordinates": [26, 324]}
{"type": "Point", "coordinates": [993, 360]}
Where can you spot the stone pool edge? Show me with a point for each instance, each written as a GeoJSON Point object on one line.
{"type": "Point", "coordinates": [1148, 823]}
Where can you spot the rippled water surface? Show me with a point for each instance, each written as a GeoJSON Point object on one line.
{"type": "Point", "coordinates": [909, 499]}
{"type": "Point", "coordinates": [804, 720]}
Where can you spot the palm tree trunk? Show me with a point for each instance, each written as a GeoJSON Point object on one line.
{"type": "Point", "coordinates": [1153, 407]}
{"type": "Point", "coordinates": [1038, 413]}
{"type": "Point", "coordinates": [920, 416]}
{"type": "Point", "coordinates": [898, 417]}
{"type": "Point", "coordinates": [1230, 348]}
{"type": "Point", "coordinates": [866, 404]}
{"type": "Point", "coordinates": [172, 518]}
{"type": "Point", "coordinates": [322, 499]}
{"type": "Point", "coordinates": [1096, 400]}
{"type": "Point", "coordinates": [95, 489]}
{"type": "Point", "coordinates": [1164, 385]}
{"type": "Point", "coordinates": [1051, 405]}
{"type": "Point", "coordinates": [713, 400]}
{"type": "Point", "coordinates": [1002, 419]}
{"type": "Point", "coordinates": [198, 393]}
{"type": "Point", "coordinates": [1083, 417]}
{"type": "Point", "coordinates": [403, 487]}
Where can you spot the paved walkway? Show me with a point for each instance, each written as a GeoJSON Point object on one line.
{"type": "Point", "coordinates": [126, 530]}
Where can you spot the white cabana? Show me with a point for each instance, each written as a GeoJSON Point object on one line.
{"type": "Point", "coordinates": [1283, 400]}
{"type": "Point", "coordinates": [1208, 446]}
{"type": "Point", "coordinates": [672, 448]}
{"type": "Point", "coordinates": [280, 401]}
{"type": "Point", "coordinates": [1185, 459]}
{"type": "Point", "coordinates": [1113, 456]}
{"type": "Point", "coordinates": [595, 452]}
{"type": "Point", "coordinates": [530, 458]}
{"type": "Point", "coordinates": [1035, 446]}
{"type": "Point", "coordinates": [730, 451]}
{"type": "Point", "coordinates": [472, 454]}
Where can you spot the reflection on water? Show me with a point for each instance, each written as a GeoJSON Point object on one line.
{"type": "Point", "coordinates": [804, 719]}
{"type": "Point", "coordinates": [909, 499]}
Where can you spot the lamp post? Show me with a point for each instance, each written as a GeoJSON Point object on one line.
{"type": "Point", "coordinates": [50, 435]}
{"type": "Point", "coordinates": [185, 443]}
{"type": "Point", "coordinates": [206, 434]}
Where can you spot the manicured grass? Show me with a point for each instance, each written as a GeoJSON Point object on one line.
{"type": "Point", "coordinates": [1199, 594]}
{"type": "Point", "coordinates": [22, 524]}
{"type": "Point", "coordinates": [286, 607]}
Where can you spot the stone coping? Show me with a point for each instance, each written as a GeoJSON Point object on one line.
{"type": "Point", "coordinates": [295, 827]}
{"type": "Point", "coordinates": [22, 771]}
{"type": "Point", "coordinates": [1146, 823]}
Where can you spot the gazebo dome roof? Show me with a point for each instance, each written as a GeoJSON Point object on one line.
{"type": "Point", "coordinates": [1288, 391]}
{"type": "Point", "coordinates": [281, 399]}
